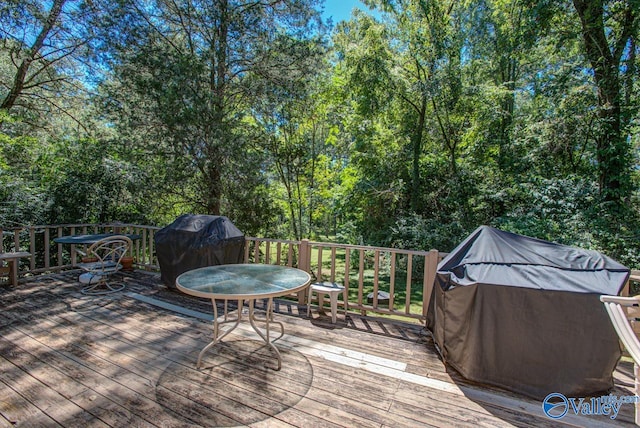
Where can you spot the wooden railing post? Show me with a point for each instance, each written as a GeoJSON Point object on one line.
{"type": "Point", "coordinates": [347, 266]}
{"type": "Point", "coordinates": [73, 248]}
{"type": "Point", "coordinates": [151, 249]}
{"type": "Point", "coordinates": [32, 248]}
{"type": "Point", "coordinates": [304, 258]}
{"type": "Point", "coordinates": [304, 263]}
{"type": "Point", "coordinates": [47, 249]}
{"type": "Point", "coordinates": [16, 239]}
{"type": "Point", "coordinates": [430, 268]}
{"type": "Point", "coordinates": [247, 243]}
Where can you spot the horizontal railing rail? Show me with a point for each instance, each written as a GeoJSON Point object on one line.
{"type": "Point", "coordinates": [379, 280]}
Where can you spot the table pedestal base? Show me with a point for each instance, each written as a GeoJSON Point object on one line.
{"type": "Point", "coordinates": [268, 320]}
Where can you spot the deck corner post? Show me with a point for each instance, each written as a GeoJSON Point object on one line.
{"type": "Point", "coordinates": [430, 268]}
{"type": "Point", "coordinates": [304, 263]}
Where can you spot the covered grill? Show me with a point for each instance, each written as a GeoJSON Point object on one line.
{"type": "Point", "coordinates": [525, 315]}
{"type": "Point", "coordinates": [194, 241]}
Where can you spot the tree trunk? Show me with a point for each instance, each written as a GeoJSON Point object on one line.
{"type": "Point", "coordinates": [417, 152]}
{"type": "Point", "coordinates": [214, 193]}
{"type": "Point", "coordinates": [508, 71]}
{"type": "Point", "coordinates": [612, 150]}
{"type": "Point", "coordinates": [218, 136]}
{"type": "Point", "coordinates": [23, 68]}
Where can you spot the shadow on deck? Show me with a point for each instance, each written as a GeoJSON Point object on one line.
{"type": "Point", "coordinates": [128, 359]}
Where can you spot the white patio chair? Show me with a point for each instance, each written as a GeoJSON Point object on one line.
{"type": "Point", "coordinates": [615, 306]}
{"type": "Point", "coordinates": [108, 253]}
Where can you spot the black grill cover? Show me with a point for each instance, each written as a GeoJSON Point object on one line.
{"type": "Point", "coordinates": [194, 241]}
{"type": "Point", "coordinates": [525, 315]}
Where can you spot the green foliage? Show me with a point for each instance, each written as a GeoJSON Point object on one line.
{"type": "Point", "coordinates": [416, 127]}
{"type": "Point", "coordinates": [190, 92]}
{"type": "Point", "coordinates": [420, 233]}
{"type": "Point", "coordinates": [66, 181]}
{"type": "Point", "coordinates": [91, 184]}
{"type": "Point", "coordinates": [22, 200]}
{"type": "Point", "coordinates": [511, 136]}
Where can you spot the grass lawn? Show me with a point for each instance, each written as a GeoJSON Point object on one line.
{"type": "Point", "coordinates": [279, 253]}
{"type": "Point", "coordinates": [384, 276]}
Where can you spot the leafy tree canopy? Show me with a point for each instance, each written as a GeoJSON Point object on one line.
{"type": "Point", "coordinates": [408, 128]}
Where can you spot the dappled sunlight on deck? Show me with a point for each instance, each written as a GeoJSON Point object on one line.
{"type": "Point", "coordinates": [128, 359]}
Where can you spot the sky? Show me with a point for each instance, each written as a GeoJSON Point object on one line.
{"type": "Point", "coordinates": [341, 9]}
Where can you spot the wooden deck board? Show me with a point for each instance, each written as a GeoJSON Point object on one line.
{"type": "Point", "coordinates": [72, 360]}
{"type": "Point", "coordinates": [14, 407]}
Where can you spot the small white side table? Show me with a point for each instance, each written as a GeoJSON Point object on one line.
{"type": "Point", "coordinates": [332, 289]}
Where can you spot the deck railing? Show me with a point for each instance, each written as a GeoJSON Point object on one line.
{"type": "Point", "coordinates": [48, 256]}
{"type": "Point", "coordinates": [379, 280]}
{"type": "Point", "coordinates": [386, 281]}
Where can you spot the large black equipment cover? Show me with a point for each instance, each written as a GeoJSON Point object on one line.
{"type": "Point", "coordinates": [194, 241]}
{"type": "Point", "coordinates": [524, 314]}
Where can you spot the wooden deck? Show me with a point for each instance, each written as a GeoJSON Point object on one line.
{"type": "Point", "coordinates": [128, 360]}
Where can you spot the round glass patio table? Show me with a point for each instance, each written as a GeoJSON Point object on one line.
{"type": "Point", "coordinates": [243, 283]}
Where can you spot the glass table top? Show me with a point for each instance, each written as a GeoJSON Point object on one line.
{"type": "Point", "coordinates": [243, 281]}
{"type": "Point", "coordinates": [92, 238]}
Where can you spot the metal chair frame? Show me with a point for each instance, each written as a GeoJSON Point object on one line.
{"type": "Point", "coordinates": [616, 308]}
{"type": "Point", "coordinates": [109, 253]}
